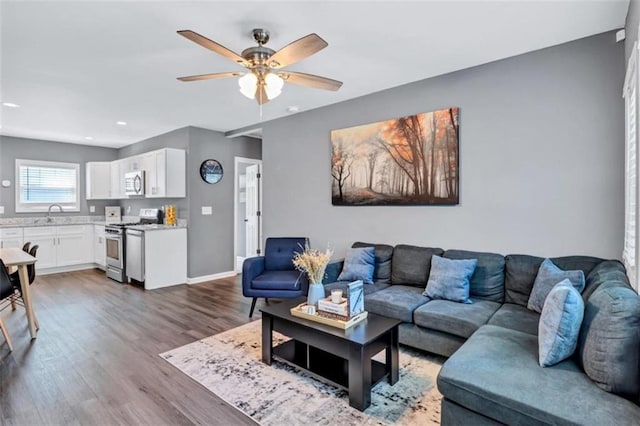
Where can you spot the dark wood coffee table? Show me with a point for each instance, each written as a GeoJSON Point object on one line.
{"type": "Point", "coordinates": [342, 357]}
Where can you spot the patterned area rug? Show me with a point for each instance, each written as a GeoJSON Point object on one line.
{"type": "Point", "coordinates": [229, 365]}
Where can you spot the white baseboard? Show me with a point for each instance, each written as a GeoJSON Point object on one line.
{"type": "Point", "coordinates": [203, 278]}
{"type": "Point", "coordinates": [70, 268]}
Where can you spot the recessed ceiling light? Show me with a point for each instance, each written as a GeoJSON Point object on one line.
{"type": "Point", "coordinates": [89, 138]}
{"type": "Point", "coordinates": [121, 123]}
{"type": "Point", "coordinates": [293, 108]}
{"type": "Point", "coordinates": [10, 105]}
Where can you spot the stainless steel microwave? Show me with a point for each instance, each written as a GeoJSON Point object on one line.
{"type": "Point", "coordinates": [134, 183]}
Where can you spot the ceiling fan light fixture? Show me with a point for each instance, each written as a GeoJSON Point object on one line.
{"type": "Point", "coordinates": [273, 85]}
{"type": "Point", "coordinates": [248, 84]}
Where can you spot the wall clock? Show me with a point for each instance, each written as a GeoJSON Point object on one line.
{"type": "Point", "coordinates": [211, 171]}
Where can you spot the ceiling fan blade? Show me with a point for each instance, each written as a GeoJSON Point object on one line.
{"type": "Point", "coordinates": [297, 51]}
{"type": "Point", "coordinates": [310, 80]}
{"type": "Point", "coordinates": [261, 95]}
{"type": "Point", "coordinates": [213, 46]}
{"type": "Point", "coordinates": [210, 76]}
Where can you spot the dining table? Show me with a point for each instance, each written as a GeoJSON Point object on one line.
{"type": "Point", "coordinates": [15, 257]}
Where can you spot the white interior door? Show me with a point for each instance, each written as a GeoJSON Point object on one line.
{"type": "Point", "coordinates": [252, 211]}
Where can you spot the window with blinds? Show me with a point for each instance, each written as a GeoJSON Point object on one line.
{"type": "Point", "coordinates": [630, 251]}
{"type": "Point", "coordinates": [42, 183]}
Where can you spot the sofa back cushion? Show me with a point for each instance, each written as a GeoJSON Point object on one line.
{"type": "Point", "coordinates": [279, 252]}
{"type": "Point", "coordinates": [607, 271]}
{"type": "Point", "coordinates": [382, 268]}
{"type": "Point", "coordinates": [410, 265]}
{"type": "Point", "coordinates": [609, 342]}
{"type": "Point", "coordinates": [521, 271]}
{"type": "Point", "coordinates": [487, 282]}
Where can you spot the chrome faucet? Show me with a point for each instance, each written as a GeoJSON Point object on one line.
{"type": "Point", "coordinates": [49, 211]}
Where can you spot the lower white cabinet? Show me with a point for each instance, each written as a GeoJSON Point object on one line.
{"type": "Point", "coordinates": [11, 237]}
{"type": "Point", "coordinates": [99, 247]}
{"type": "Point", "coordinates": [61, 245]}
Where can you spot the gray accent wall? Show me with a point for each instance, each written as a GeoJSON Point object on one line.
{"type": "Point", "coordinates": [210, 238]}
{"type": "Point", "coordinates": [12, 148]}
{"type": "Point", "coordinates": [541, 159]}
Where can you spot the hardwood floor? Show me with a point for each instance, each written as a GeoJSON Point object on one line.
{"type": "Point", "coordinates": [96, 361]}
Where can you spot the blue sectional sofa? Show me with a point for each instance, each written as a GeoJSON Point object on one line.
{"type": "Point", "coordinates": [492, 375]}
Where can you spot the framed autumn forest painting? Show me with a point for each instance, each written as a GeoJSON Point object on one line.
{"type": "Point", "coordinates": [406, 161]}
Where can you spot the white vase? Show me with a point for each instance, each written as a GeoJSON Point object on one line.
{"type": "Point", "coordinates": [316, 292]}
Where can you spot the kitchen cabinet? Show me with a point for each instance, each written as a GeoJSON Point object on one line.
{"type": "Point", "coordinates": [165, 173]}
{"type": "Point", "coordinates": [11, 237]}
{"type": "Point", "coordinates": [163, 257]}
{"type": "Point", "coordinates": [116, 186]}
{"type": "Point", "coordinates": [99, 247]}
{"type": "Point", "coordinates": [61, 245]}
{"type": "Point", "coordinates": [98, 180]}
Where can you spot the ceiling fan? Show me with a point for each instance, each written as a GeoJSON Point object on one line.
{"type": "Point", "coordinates": [264, 81]}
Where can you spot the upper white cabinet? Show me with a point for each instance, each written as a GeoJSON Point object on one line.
{"type": "Point", "coordinates": [98, 178]}
{"type": "Point", "coordinates": [165, 175]}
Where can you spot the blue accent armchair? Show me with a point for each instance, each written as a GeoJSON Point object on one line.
{"type": "Point", "coordinates": [273, 275]}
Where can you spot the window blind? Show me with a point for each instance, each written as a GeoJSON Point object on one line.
{"type": "Point", "coordinates": [47, 185]}
{"type": "Point", "coordinates": [630, 252]}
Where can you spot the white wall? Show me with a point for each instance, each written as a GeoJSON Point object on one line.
{"type": "Point", "coordinates": [541, 159]}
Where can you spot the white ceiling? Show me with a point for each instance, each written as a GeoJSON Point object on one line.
{"type": "Point", "coordinates": [75, 68]}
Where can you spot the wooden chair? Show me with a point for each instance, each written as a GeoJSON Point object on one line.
{"type": "Point", "coordinates": [6, 292]}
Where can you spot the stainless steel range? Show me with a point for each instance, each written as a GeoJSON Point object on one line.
{"type": "Point", "coordinates": [116, 239]}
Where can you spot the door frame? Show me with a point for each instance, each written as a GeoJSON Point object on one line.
{"type": "Point", "coordinates": [236, 175]}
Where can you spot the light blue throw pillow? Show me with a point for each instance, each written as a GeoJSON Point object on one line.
{"type": "Point", "coordinates": [359, 265]}
{"type": "Point", "coordinates": [548, 276]}
{"type": "Point", "coordinates": [559, 324]}
{"type": "Point", "coordinates": [449, 279]}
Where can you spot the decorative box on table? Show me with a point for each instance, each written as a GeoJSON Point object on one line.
{"type": "Point", "coordinates": [348, 312]}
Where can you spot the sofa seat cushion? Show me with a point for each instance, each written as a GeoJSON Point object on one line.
{"type": "Point", "coordinates": [278, 280]}
{"type": "Point", "coordinates": [342, 285]}
{"type": "Point", "coordinates": [516, 317]}
{"type": "Point", "coordinates": [460, 319]}
{"type": "Point", "coordinates": [496, 373]}
{"type": "Point", "coordinates": [487, 281]}
{"type": "Point", "coordinates": [396, 301]}
{"type": "Point", "coordinates": [410, 265]}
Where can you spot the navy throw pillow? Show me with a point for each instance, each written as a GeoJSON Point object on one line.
{"type": "Point", "coordinates": [359, 265]}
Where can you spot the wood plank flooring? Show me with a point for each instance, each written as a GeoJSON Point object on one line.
{"type": "Point", "coordinates": [95, 361]}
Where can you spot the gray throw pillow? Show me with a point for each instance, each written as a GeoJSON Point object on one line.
{"type": "Point", "coordinates": [358, 265]}
{"type": "Point", "coordinates": [559, 324]}
{"type": "Point", "coordinates": [449, 279]}
{"type": "Point", "coordinates": [548, 276]}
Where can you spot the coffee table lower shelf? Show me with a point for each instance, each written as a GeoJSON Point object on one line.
{"type": "Point", "coordinates": [323, 365]}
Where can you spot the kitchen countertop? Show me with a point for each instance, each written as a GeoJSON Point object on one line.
{"type": "Point", "coordinates": [29, 222]}
{"type": "Point", "coordinates": [156, 227]}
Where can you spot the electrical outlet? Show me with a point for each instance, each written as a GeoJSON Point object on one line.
{"type": "Point", "coordinates": [92, 209]}
{"type": "Point", "coordinates": [207, 210]}
{"type": "Point", "coordinates": [1, 209]}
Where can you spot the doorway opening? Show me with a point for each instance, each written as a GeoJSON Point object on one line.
{"type": "Point", "coordinates": [247, 216]}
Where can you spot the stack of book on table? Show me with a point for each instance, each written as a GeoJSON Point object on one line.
{"type": "Point", "coordinates": [334, 310]}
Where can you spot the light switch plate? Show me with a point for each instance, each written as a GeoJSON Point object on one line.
{"type": "Point", "coordinates": [207, 210]}
{"type": "Point", "coordinates": [92, 209]}
{"type": "Point", "coordinates": [1, 209]}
